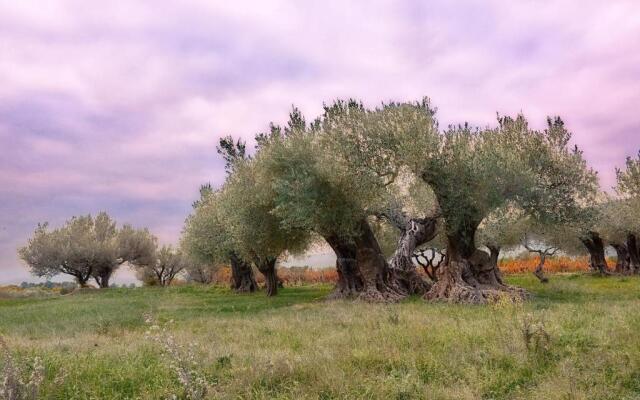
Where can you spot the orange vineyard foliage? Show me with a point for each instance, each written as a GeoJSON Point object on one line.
{"type": "Point", "coordinates": [294, 276]}
{"type": "Point", "coordinates": [554, 264]}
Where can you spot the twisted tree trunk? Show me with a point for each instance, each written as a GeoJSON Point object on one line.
{"type": "Point", "coordinates": [242, 278]}
{"type": "Point", "coordinates": [373, 267]}
{"type": "Point", "coordinates": [349, 279]}
{"type": "Point", "coordinates": [267, 267]}
{"type": "Point", "coordinates": [469, 275]}
{"type": "Point", "coordinates": [623, 265]}
{"type": "Point", "coordinates": [539, 271]}
{"type": "Point", "coordinates": [415, 232]}
{"type": "Point", "coordinates": [595, 246]}
{"type": "Point", "coordinates": [634, 254]}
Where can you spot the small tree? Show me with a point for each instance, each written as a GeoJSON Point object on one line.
{"type": "Point", "coordinates": [86, 247]}
{"type": "Point", "coordinates": [167, 264]}
{"type": "Point", "coordinates": [199, 272]}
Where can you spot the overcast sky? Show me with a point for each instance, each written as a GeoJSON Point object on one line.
{"type": "Point", "coordinates": [119, 107]}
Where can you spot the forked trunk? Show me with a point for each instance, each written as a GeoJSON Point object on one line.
{"type": "Point", "coordinates": [349, 279]}
{"type": "Point", "coordinates": [267, 267]}
{"type": "Point", "coordinates": [242, 278]}
{"type": "Point", "coordinates": [470, 275]}
{"type": "Point", "coordinates": [539, 271]}
{"type": "Point", "coordinates": [634, 254]}
{"type": "Point", "coordinates": [623, 265]}
{"type": "Point", "coordinates": [416, 232]}
{"type": "Point", "coordinates": [595, 245]}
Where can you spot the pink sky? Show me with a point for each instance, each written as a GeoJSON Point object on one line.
{"type": "Point", "coordinates": [119, 107]}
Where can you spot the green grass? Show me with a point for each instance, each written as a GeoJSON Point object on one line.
{"type": "Point", "coordinates": [298, 346]}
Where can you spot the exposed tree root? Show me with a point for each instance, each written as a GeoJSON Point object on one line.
{"type": "Point", "coordinates": [457, 283]}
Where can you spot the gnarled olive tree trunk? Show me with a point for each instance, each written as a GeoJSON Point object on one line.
{"type": "Point", "coordinates": [349, 279]}
{"type": "Point", "coordinates": [469, 275]}
{"type": "Point", "coordinates": [414, 233]}
{"type": "Point", "coordinates": [373, 267]}
{"type": "Point", "coordinates": [363, 270]}
{"type": "Point", "coordinates": [242, 278]}
{"type": "Point", "coordinates": [634, 254]}
{"type": "Point", "coordinates": [595, 246]}
{"type": "Point", "coordinates": [623, 265]}
{"type": "Point", "coordinates": [267, 267]}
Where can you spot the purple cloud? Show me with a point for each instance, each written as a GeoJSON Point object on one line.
{"type": "Point", "coordinates": [118, 107]}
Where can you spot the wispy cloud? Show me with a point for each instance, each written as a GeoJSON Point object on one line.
{"type": "Point", "coordinates": [119, 106]}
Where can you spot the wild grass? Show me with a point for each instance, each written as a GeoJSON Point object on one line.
{"type": "Point", "coordinates": [576, 339]}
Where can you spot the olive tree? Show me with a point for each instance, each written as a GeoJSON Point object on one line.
{"type": "Point", "coordinates": [87, 247]}
{"type": "Point", "coordinates": [318, 191]}
{"type": "Point", "coordinates": [473, 172]}
{"type": "Point", "coordinates": [247, 201]}
{"type": "Point", "coordinates": [165, 266]}
{"type": "Point", "coordinates": [200, 272]}
{"type": "Point", "coordinates": [207, 239]}
{"type": "Point", "coordinates": [626, 212]}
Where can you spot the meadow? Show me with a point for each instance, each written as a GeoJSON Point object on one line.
{"type": "Point", "coordinates": [577, 338]}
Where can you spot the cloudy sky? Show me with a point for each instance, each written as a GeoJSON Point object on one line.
{"type": "Point", "coordinates": [118, 106]}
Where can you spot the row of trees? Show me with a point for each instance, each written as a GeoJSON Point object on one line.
{"type": "Point", "coordinates": [94, 247]}
{"type": "Point", "coordinates": [356, 177]}
{"type": "Point", "coordinates": [375, 185]}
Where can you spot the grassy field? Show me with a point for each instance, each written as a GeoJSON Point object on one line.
{"type": "Point", "coordinates": [578, 338]}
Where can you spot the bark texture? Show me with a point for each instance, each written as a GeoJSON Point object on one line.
{"type": "Point", "coordinates": [350, 281]}
{"type": "Point", "coordinates": [242, 277]}
{"type": "Point", "coordinates": [595, 246]}
{"type": "Point", "coordinates": [267, 267]}
{"type": "Point", "coordinates": [470, 275]}
{"type": "Point", "coordinates": [373, 267]}
{"type": "Point", "coordinates": [414, 233]}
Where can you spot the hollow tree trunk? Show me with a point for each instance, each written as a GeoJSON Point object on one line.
{"type": "Point", "coordinates": [267, 267]}
{"type": "Point", "coordinates": [349, 279]}
{"type": "Point", "coordinates": [415, 233]}
{"type": "Point", "coordinates": [634, 254]}
{"type": "Point", "coordinates": [622, 264]}
{"type": "Point", "coordinates": [595, 246]}
{"type": "Point", "coordinates": [539, 271]}
{"type": "Point", "coordinates": [242, 278]}
{"type": "Point", "coordinates": [469, 275]}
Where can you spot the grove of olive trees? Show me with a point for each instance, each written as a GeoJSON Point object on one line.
{"type": "Point", "coordinates": [376, 185]}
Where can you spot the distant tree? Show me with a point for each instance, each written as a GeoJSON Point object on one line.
{"type": "Point", "coordinates": [86, 247]}
{"type": "Point", "coordinates": [167, 264]}
{"type": "Point", "coordinates": [200, 272]}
